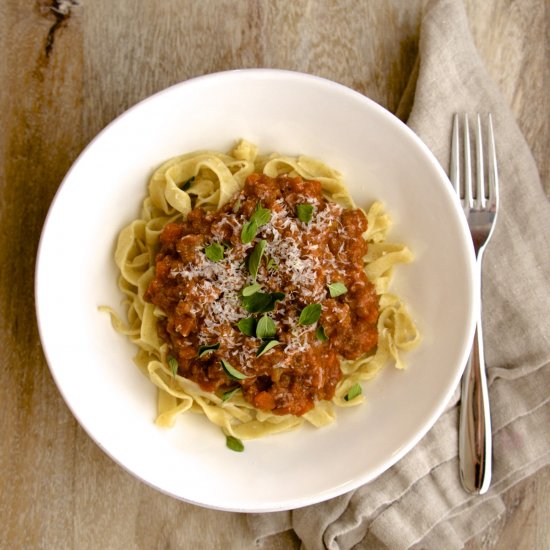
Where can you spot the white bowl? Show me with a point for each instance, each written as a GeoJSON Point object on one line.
{"type": "Point", "coordinates": [92, 365]}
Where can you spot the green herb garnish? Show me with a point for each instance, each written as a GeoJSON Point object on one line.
{"type": "Point", "coordinates": [249, 231]}
{"type": "Point", "coordinates": [188, 183]}
{"type": "Point", "coordinates": [320, 334]}
{"type": "Point", "coordinates": [260, 302]}
{"type": "Point", "coordinates": [304, 212]}
{"type": "Point", "coordinates": [226, 396]}
{"type": "Point", "coordinates": [231, 371]}
{"type": "Point", "coordinates": [337, 289]}
{"type": "Point", "coordinates": [203, 350]}
{"type": "Point", "coordinates": [266, 346]}
{"type": "Point", "coordinates": [310, 314]}
{"type": "Point", "coordinates": [214, 252]}
{"type": "Point", "coordinates": [247, 326]}
{"type": "Point", "coordinates": [250, 289]}
{"type": "Point", "coordinates": [271, 264]}
{"type": "Point", "coordinates": [234, 444]}
{"type": "Point", "coordinates": [256, 258]}
{"type": "Point", "coordinates": [173, 364]}
{"type": "Point", "coordinates": [353, 392]}
{"type": "Point", "coordinates": [266, 328]}
{"type": "Point", "coordinates": [259, 217]}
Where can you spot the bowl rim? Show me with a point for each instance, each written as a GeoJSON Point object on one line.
{"type": "Point", "coordinates": [271, 74]}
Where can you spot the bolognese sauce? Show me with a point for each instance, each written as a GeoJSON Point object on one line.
{"type": "Point", "coordinates": [267, 294]}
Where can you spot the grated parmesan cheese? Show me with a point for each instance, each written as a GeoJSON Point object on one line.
{"type": "Point", "coordinates": [302, 274]}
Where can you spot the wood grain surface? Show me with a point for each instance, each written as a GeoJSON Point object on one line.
{"type": "Point", "coordinates": [67, 69]}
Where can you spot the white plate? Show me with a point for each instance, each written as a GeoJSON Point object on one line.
{"type": "Point", "coordinates": [92, 364]}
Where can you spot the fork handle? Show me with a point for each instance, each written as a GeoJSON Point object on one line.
{"type": "Point", "coordinates": [475, 446]}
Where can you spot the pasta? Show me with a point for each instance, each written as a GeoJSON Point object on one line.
{"type": "Point", "coordinates": [210, 180]}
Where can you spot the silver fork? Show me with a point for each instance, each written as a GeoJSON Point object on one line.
{"type": "Point", "coordinates": [480, 204]}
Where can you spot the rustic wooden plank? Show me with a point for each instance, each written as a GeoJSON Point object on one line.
{"type": "Point", "coordinates": [346, 41]}
{"type": "Point", "coordinates": [40, 101]}
{"type": "Point", "coordinates": [524, 526]}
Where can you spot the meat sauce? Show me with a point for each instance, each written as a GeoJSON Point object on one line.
{"type": "Point", "coordinates": [201, 294]}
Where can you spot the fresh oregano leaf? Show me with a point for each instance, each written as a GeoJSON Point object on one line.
{"type": "Point", "coordinates": [247, 326]}
{"type": "Point", "coordinates": [256, 258]}
{"type": "Point", "coordinates": [310, 314]}
{"type": "Point", "coordinates": [250, 289]}
{"type": "Point", "coordinates": [304, 212]}
{"type": "Point", "coordinates": [231, 371]}
{"type": "Point", "coordinates": [234, 444]}
{"type": "Point", "coordinates": [188, 183]}
{"type": "Point", "coordinates": [259, 217]}
{"type": "Point", "coordinates": [260, 302]}
{"type": "Point", "coordinates": [266, 346]}
{"type": "Point", "coordinates": [353, 392]}
{"type": "Point", "coordinates": [203, 350]}
{"type": "Point", "coordinates": [337, 289]}
{"type": "Point", "coordinates": [214, 252]}
{"type": "Point", "coordinates": [226, 396]}
{"type": "Point", "coordinates": [266, 328]}
{"type": "Point", "coordinates": [249, 231]}
{"type": "Point", "coordinates": [173, 364]}
{"type": "Point", "coordinates": [320, 333]}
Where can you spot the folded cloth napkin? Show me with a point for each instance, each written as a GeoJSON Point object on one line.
{"type": "Point", "coordinates": [420, 502]}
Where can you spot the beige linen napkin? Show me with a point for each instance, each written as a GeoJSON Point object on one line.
{"type": "Point", "coordinates": [420, 502]}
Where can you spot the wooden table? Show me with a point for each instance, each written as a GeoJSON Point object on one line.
{"type": "Point", "coordinates": [67, 69]}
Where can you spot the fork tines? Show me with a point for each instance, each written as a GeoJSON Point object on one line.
{"type": "Point", "coordinates": [485, 193]}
